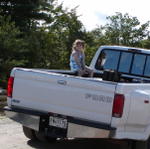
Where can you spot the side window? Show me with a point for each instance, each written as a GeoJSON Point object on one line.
{"type": "Point", "coordinates": [138, 64]}
{"type": "Point", "coordinates": [108, 60]}
{"type": "Point", "coordinates": [147, 67]}
{"type": "Point", "coordinates": [125, 62]}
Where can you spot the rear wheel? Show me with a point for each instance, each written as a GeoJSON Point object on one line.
{"type": "Point", "coordinates": [141, 144]}
{"type": "Point", "coordinates": [51, 140]}
{"type": "Point", "coordinates": [29, 133]}
{"type": "Point", "coordinates": [43, 138]}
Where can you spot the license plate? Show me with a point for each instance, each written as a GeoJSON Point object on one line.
{"type": "Point", "coordinates": [58, 122]}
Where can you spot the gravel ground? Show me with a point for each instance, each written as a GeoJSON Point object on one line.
{"type": "Point", "coordinates": [12, 137]}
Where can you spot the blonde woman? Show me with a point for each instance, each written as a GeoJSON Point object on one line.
{"type": "Point", "coordinates": [77, 59]}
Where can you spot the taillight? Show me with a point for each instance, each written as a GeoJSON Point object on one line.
{"type": "Point", "coordinates": [10, 86]}
{"type": "Point", "coordinates": [118, 105]}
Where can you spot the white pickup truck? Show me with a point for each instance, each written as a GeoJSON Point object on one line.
{"type": "Point", "coordinates": [114, 104]}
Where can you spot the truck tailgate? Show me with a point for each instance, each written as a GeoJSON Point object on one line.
{"type": "Point", "coordinates": [85, 98]}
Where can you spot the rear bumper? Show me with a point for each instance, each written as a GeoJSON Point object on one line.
{"type": "Point", "coordinates": [30, 121]}
{"type": "Point", "coordinates": [77, 128]}
{"type": "Point", "coordinates": [82, 131]}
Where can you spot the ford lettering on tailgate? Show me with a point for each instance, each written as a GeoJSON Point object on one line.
{"type": "Point", "coordinates": [99, 98]}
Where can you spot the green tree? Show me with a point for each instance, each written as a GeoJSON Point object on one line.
{"type": "Point", "coordinates": [125, 30]}
{"type": "Point", "coordinates": [27, 13]}
{"type": "Point", "coordinates": [11, 47]}
{"type": "Point", "coordinates": [145, 43]}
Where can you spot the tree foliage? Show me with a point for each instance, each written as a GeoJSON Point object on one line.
{"type": "Point", "coordinates": [11, 47]}
{"type": "Point", "coordinates": [27, 13]}
{"type": "Point", "coordinates": [125, 30]}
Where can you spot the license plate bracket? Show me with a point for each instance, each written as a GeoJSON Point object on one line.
{"type": "Point", "coordinates": [58, 122]}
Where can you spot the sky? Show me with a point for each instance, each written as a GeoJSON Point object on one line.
{"type": "Point", "coordinates": [93, 13]}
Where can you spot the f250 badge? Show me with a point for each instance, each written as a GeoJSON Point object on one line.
{"type": "Point", "coordinates": [100, 98]}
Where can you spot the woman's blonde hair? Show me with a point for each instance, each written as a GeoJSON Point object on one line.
{"type": "Point", "coordinates": [76, 42]}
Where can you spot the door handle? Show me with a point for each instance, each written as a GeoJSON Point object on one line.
{"type": "Point", "coordinates": [62, 82]}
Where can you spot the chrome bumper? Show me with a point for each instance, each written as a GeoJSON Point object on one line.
{"type": "Point", "coordinates": [80, 131]}
{"type": "Point", "coordinates": [76, 129]}
{"type": "Point", "coordinates": [30, 121]}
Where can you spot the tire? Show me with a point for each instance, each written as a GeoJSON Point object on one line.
{"type": "Point", "coordinates": [29, 133]}
{"type": "Point", "coordinates": [141, 144]}
{"type": "Point", "coordinates": [51, 140]}
{"type": "Point", "coordinates": [43, 138]}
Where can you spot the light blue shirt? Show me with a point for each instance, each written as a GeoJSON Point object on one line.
{"type": "Point", "coordinates": [73, 64]}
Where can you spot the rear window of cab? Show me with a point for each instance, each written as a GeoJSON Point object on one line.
{"type": "Point", "coordinates": [125, 62]}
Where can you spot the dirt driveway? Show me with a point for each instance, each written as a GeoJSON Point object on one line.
{"type": "Point", "coordinates": [12, 137]}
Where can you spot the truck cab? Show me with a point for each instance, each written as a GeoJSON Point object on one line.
{"type": "Point", "coordinates": [131, 63]}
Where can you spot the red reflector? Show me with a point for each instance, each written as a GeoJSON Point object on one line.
{"type": "Point", "coordinates": [10, 86]}
{"type": "Point", "coordinates": [118, 105]}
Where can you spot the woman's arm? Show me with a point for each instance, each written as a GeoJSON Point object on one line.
{"type": "Point", "coordinates": [83, 61]}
